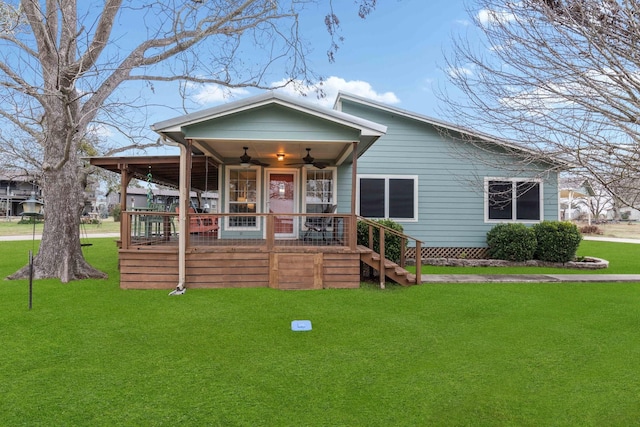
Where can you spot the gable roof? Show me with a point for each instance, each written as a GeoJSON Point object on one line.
{"type": "Point", "coordinates": [269, 123]}
{"type": "Point", "coordinates": [576, 188]}
{"type": "Point", "coordinates": [450, 127]}
{"type": "Point", "coordinates": [173, 126]}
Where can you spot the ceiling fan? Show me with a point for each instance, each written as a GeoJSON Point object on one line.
{"type": "Point", "coordinates": [245, 160]}
{"type": "Point", "coordinates": [309, 161]}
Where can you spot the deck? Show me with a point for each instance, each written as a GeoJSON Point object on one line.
{"type": "Point", "coordinates": [275, 251]}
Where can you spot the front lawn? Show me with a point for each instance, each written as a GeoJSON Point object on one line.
{"type": "Point", "coordinates": [15, 228]}
{"type": "Point", "coordinates": [90, 354]}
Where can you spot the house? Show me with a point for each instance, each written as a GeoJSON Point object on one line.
{"type": "Point", "coordinates": [625, 213]}
{"type": "Point", "coordinates": [576, 199]}
{"type": "Point", "coordinates": [445, 185]}
{"type": "Point", "coordinates": [15, 188]}
{"type": "Point", "coordinates": [138, 196]}
{"type": "Point", "coordinates": [280, 166]}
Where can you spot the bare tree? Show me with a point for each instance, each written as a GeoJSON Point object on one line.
{"type": "Point", "coordinates": [559, 77]}
{"type": "Point", "coordinates": [65, 65]}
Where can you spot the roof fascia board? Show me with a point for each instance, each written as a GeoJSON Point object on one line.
{"type": "Point", "coordinates": [366, 127]}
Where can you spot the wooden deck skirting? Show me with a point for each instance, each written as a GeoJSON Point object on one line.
{"type": "Point", "coordinates": [240, 267]}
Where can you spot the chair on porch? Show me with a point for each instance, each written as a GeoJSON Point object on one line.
{"type": "Point", "coordinates": [201, 224]}
{"type": "Point", "coordinates": [320, 224]}
{"type": "Point", "coordinates": [149, 225]}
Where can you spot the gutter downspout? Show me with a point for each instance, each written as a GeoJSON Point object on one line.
{"type": "Point", "coordinates": [185, 171]}
{"type": "Point", "coordinates": [353, 241]}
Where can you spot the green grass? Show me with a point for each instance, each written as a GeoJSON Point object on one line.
{"type": "Point", "coordinates": [13, 228]}
{"type": "Point", "coordinates": [90, 354]}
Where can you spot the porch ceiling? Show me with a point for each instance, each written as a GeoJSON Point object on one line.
{"type": "Point", "coordinates": [165, 170]}
{"type": "Point", "coordinates": [229, 152]}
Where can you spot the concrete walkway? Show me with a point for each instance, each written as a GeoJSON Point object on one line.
{"type": "Point", "coordinates": [528, 278]}
{"type": "Point", "coordinates": [611, 239]}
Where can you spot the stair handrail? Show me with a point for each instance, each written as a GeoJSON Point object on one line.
{"type": "Point", "coordinates": [404, 238]}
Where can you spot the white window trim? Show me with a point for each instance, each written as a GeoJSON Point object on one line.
{"type": "Point", "coordinates": [386, 194]}
{"type": "Point", "coordinates": [227, 173]}
{"type": "Point", "coordinates": [513, 200]}
{"type": "Point", "coordinates": [303, 192]}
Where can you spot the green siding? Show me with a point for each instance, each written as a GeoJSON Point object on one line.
{"type": "Point", "coordinates": [273, 122]}
{"type": "Point", "coordinates": [450, 178]}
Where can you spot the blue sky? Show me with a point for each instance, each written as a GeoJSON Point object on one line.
{"type": "Point", "coordinates": [394, 56]}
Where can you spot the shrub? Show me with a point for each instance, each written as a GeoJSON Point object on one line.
{"type": "Point", "coordinates": [392, 242]}
{"type": "Point", "coordinates": [24, 219]}
{"type": "Point", "coordinates": [511, 242]}
{"type": "Point", "coordinates": [558, 241]}
{"type": "Point", "coordinates": [590, 229]}
{"type": "Point", "coordinates": [115, 211]}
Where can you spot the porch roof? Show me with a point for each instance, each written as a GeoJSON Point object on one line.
{"type": "Point", "coordinates": [269, 124]}
{"type": "Point", "coordinates": [165, 170]}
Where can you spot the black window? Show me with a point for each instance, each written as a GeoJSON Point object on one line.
{"type": "Point", "coordinates": [401, 198]}
{"type": "Point", "coordinates": [528, 201]}
{"type": "Point", "coordinates": [388, 198]}
{"type": "Point", "coordinates": [500, 200]}
{"type": "Point", "coordinates": [372, 197]}
{"type": "Point", "coordinates": [513, 200]}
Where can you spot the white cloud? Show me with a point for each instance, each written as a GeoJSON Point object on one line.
{"type": "Point", "coordinates": [100, 130]}
{"type": "Point", "coordinates": [215, 94]}
{"type": "Point", "coordinates": [427, 84]}
{"type": "Point", "coordinates": [331, 86]}
{"type": "Point", "coordinates": [488, 17]}
{"type": "Point", "coordinates": [459, 72]}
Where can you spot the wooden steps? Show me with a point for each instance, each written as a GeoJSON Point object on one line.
{"type": "Point", "coordinates": [392, 270]}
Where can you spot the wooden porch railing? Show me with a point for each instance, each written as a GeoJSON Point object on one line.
{"type": "Point", "coordinates": [151, 228]}
{"type": "Point", "coordinates": [381, 231]}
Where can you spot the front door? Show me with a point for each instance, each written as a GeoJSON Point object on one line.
{"type": "Point", "coordinates": [283, 200]}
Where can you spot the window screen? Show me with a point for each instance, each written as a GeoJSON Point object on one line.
{"type": "Point", "coordinates": [401, 198]}
{"type": "Point", "coordinates": [500, 196]}
{"type": "Point", "coordinates": [514, 200]}
{"type": "Point", "coordinates": [372, 197]}
{"type": "Point", "coordinates": [528, 200]}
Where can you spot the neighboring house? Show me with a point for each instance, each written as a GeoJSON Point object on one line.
{"type": "Point", "coordinates": [139, 197]}
{"type": "Point", "coordinates": [15, 189]}
{"type": "Point", "coordinates": [281, 165]}
{"type": "Point", "coordinates": [625, 213]}
{"type": "Point", "coordinates": [576, 197]}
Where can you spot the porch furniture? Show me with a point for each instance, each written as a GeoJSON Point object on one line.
{"type": "Point", "coordinates": [320, 224]}
{"type": "Point", "coordinates": [148, 225]}
{"type": "Point", "coordinates": [201, 224]}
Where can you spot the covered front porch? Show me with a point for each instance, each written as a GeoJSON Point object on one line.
{"type": "Point", "coordinates": [285, 173]}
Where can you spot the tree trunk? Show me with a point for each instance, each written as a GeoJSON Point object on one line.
{"type": "Point", "coordinates": [60, 255]}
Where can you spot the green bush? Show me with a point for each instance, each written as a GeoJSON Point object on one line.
{"type": "Point", "coordinates": [392, 242]}
{"type": "Point", "coordinates": [116, 213]}
{"type": "Point", "coordinates": [511, 242]}
{"type": "Point", "coordinates": [558, 241]}
{"type": "Point", "coordinates": [24, 219]}
{"type": "Point", "coordinates": [590, 229]}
